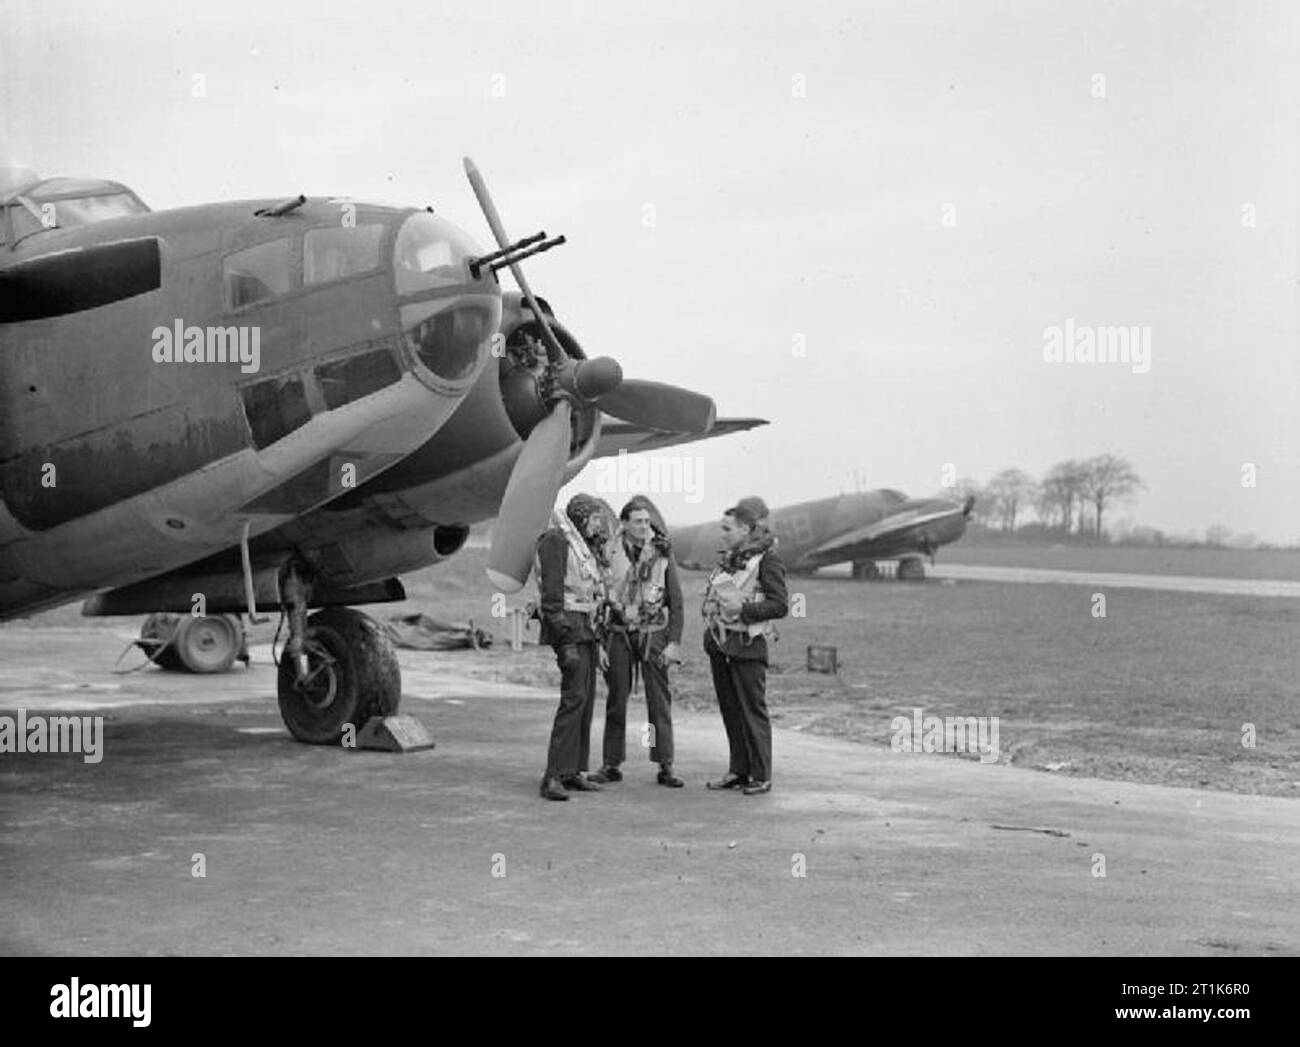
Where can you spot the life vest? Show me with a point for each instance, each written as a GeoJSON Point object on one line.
{"type": "Point", "coordinates": [584, 581]}
{"type": "Point", "coordinates": [745, 581]}
{"type": "Point", "coordinates": [642, 600]}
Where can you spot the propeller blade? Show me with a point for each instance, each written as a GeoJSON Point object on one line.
{"type": "Point", "coordinates": [659, 406]}
{"type": "Point", "coordinates": [554, 350]}
{"type": "Point", "coordinates": [530, 494]}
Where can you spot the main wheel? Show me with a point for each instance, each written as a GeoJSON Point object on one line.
{"type": "Point", "coordinates": [352, 675]}
{"type": "Point", "coordinates": [910, 570]}
{"type": "Point", "coordinates": [865, 570]}
{"type": "Point", "coordinates": [209, 644]}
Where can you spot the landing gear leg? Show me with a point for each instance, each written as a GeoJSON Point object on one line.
{"type": "Point", "coordinates": [865, 570]}
{"type": "Point", "coordinates": [338, 669]}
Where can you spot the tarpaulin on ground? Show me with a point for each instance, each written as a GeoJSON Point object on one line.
{"type": "Point", "coordinates": [422, 633]}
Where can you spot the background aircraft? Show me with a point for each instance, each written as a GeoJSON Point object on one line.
{"type": "Point", "coordinates": [859, 528]}
{"type": "Point", "coordinates": [283, 405]}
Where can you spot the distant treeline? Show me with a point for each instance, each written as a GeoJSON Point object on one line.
{"type": "Point", "coordinates": [1069, 504]}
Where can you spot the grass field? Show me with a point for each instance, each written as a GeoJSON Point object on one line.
{"type": "Point", "coordinates": [1278, 564]}
{"type": "Point", "coordinates": [1157, 691]}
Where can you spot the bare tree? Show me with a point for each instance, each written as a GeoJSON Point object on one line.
{"type": "Point", "coordinates": [1061, 488]}
{"type": "Point", "coordinates": [1011, 490]}
{"type": "Point", "coordinates": [1217, 535]}
{"type": "Point", "coordinates": [1048, 505]}
{"type": "Point", "coordinates": [1084, 522]}
{"type": "Point", "coordinates": [1107, 479]}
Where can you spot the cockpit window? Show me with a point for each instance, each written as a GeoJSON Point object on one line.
{"type": "Point", "coordinates": [25, 223]}
{"type": "Point", "coordinates": [61, 203]}
{"type": "Point", "coordinates": [430, 254]}
{"type": "Point", "coordinates": [84, 210]}
{"type": "Point", "coordinates": [331, 254]}
{"type": "Point", "coordinates": [257, 273]}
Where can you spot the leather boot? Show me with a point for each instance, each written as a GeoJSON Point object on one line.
{"type": "Point", "coordinates": [580, 783]}
{"type": "Point", "coordinates": [668, 778]}
{"type": "Point", "coordinates": [552, 790]}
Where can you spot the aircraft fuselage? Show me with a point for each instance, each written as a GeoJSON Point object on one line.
{"type": "Point", "coordinates": [826, 531]}
{"type": "Point", "coordinates": [167, 378]}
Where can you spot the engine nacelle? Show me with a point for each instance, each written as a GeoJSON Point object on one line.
{"type": "Point", "coordinates": [461, 473]}
{"type": "Point", "coordinates": [358, 569]}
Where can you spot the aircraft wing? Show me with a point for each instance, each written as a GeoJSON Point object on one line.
{"type": "Point", "coordinates": [893, 525]}
{"type": "Point", "coordinates": [617, 435]}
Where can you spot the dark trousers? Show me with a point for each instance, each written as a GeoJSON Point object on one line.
{"type": "Point", "coordinates": [570, 746]}
{"type": "Point", "coordinates": [741, 685]}
{"type": "Point", "coordinates": [624, 655]}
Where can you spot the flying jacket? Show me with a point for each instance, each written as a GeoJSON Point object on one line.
{"type": "Point", "coordinates": [654, 602]}
{"type": "Point", "coordinates": [565, 587]}
{"type": "Point", "coordinates": [772, 602]}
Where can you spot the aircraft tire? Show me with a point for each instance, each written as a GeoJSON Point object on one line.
{"type": "Point", "coordinates": [356, 675]}
{"type": "Point", "coordinates": [910, 570]}
{"type": "Point", "coordinates": [209, 644]}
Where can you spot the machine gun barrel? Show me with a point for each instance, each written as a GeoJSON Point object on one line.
{"type": "Point", "coordinates": [546, 245]}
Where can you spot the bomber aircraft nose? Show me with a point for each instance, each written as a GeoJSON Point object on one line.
{"type": "Point", "coordinates": [449, 312]}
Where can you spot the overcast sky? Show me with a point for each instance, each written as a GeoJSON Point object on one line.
{"type": "Point", "coordinates": [909, 193]}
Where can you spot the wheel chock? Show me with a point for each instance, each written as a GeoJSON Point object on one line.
{"type": "Point", "coordinates": [394, 734]}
